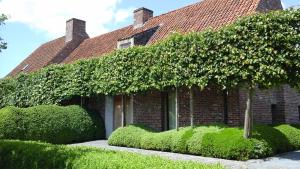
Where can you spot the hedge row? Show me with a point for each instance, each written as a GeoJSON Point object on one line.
{"type": "Point", "coordinates": [33, 155]}
{"type": "Point", "coordinates": [212, 141]}
{"type": "Point", "coordinates": [53, 124]}
{"type": "Point", "coordinates": [261, 49]}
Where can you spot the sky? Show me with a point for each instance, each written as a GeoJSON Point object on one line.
{"type": "Point", "coordinates": [34, 22]}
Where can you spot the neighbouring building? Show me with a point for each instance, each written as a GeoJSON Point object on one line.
{"type": "Point", "coordinates": [157, 108]}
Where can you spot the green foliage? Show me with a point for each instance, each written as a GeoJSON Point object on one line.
{"type": "Point", "coordinates": [129, 136]}
{"type": "Point", "coordinates": [172, 140]}
{"type": "Point", "coordinates": [213, 141]}
{"type": "Point", "coordinates": [292, 134]}
{"type": "Point", "coordinates": [3, 45]}
{"type": "Point", "coordinates": [195, 142]}
{"type": "Point", "coordinates": [230, 144]}
{"type": "Point", "coordinates": [33, 155]}
{"type": "Point", "coordinates": [53, 124]}
{"type": "Point", "coordinates": [261, 50]}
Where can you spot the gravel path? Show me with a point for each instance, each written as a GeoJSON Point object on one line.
{"type": "Point", "coordinates": [284, 161]}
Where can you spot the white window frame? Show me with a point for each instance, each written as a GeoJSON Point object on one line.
{"type": "Point", "coordinates": [122, 42]}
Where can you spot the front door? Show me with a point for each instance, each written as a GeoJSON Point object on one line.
{"type": "Point", "coordinates": [118, 117]}
{"type": "Point", "coordinates": [123, 106]}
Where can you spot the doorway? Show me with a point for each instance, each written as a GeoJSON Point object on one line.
{"type": "Point", "coordinates": [123, 111]}
{"type": "Point", "coordinates": [118, 112]}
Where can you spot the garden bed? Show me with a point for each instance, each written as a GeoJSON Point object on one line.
{"type": "Point", "coordinates": [212, 141]}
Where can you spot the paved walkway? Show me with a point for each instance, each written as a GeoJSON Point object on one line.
{"type": "Point", "coordinates": [284, 161]}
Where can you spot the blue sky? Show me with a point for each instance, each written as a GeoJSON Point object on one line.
{"type": "Point", "coordinates": [34, 22]}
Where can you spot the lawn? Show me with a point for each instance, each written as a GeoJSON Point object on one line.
{"type": "Point", "coordinates": [35, 155]}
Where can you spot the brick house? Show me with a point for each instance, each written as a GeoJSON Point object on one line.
{"type": "Point", "coordinates": [157, 108]}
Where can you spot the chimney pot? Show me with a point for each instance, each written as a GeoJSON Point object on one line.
{"type": "Point", "coordinates": [141, 15]}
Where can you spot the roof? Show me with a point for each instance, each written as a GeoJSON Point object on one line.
{"type": "Point", "coordinates": [196, 17]}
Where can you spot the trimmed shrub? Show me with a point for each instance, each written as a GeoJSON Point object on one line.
{"type": "Point", "coordinates": [213, 141]}
{"type": "Point", "coordinates": [230, 144]}
{"type": "Point", "coordinates": [129, 136]}
{"type": "Point", "coordinates": [275, 139]}
{"type": "Point", "coordinates": [157, 141]}
{"type": "Point", "coordinates": [172, 140]}
{"type": "Point", "coordinates": [292, 134]}
{"type": "Point", "coordinates": [195, 142]}
{"type": "Point", "coordinates": [29, 155]}
{"type": "Point", "coordinates": [51, 123]}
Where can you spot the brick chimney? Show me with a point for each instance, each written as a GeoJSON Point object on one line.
{"type": "Point", "coordinates": [141, 16]}
{"type": "Point", "coordinates": [267, 5]}
{"type": "Point", "coordinates": [75, 30]}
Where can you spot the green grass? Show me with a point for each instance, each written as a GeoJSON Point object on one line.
{"type": "Point", "coordinates": [50, 123]}
{"type": "Point", "coordinates": [213, 140]}
{"type": "Point", "coordinates": [34, 155]}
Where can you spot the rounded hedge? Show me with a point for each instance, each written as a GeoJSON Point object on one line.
{"type": "Point", "coordinates": [216, 140]}
{"type": "Point", "coordinates": [50, 123]}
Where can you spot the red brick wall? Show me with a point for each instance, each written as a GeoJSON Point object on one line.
{"type": "Point", "coordinates": [147, 109]}
{"type": "Point", "coordinates": [291, 103]}
{"type": "Point", "coordinates": [184, 106]}
{"type": "Point", "coordinates": [261, 106]}
{"type": "Point", "coordinates": [208, 106]}
{"type": "Point", "coordinates": [233, 107]}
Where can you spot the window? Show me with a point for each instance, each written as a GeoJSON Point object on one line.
{"type": "Point", "coordinates": [25, 67]}
{"type": "Point", "coordinates": [125, 45]}
{"type": "Point", "coordinates": [122, 44]}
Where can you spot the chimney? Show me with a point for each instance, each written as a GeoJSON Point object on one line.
{"type": "Point", "coordinates": [75, 30]}
{"type": "Point", "coordinates": [141, 16]}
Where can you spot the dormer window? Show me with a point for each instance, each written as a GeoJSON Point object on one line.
{"type": "Point", "coordinates": [25, 67]}
{"type": "Point", "coordinates": [122, 44]}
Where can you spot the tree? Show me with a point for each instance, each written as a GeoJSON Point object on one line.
{"type": "Point", "coordinates": [262, 52]}
{"type": "Point", "coordinates": [3, 45]}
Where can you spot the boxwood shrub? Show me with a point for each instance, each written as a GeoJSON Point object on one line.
{"type": "Point", "coordinates": [129, 136]}
{"type": "Point", "coordinates": [50, 123]}
{"type": "Point", "coordinates": [195, 142]}
{"type": "Point", "coordinates": [215, 140]}
{"type": "Point", "coordinates": [172, 140]}
{"type": "Point", "coordinates": [30, 155]}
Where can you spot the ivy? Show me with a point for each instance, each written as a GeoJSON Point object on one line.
{"type": "Point", "coordinates": [259, 50]}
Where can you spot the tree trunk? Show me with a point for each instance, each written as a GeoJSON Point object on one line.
{"type": "Point", "coordinates": [122, 111]}
{"type": "Point", "coordinates": [225, 95]}
{"type": "Point", "coordinates": [176, 109]}
{"type": "Point", "coordinates": [192, 106]}
{"type": "Point", "coordinates": [248, 124]}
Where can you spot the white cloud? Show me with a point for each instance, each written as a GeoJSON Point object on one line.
{"type": "Point", "coordinates": [50, 15]}
{"type": "Point", "coordinates": [283, 4]}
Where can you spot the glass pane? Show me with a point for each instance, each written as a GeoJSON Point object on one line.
{"type": "Point", "coordinates": [171, 110]}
